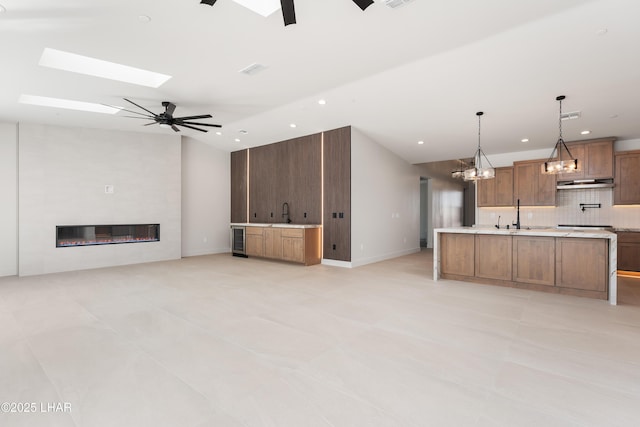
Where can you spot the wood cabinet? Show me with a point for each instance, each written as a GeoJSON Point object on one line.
{"type": "Point", "coordinates": [337, 194]}
{"type": "Point", "coordinates": [582, 264]}
{"type": "Point", "coordinates": [457, 254]}
{"type": "Point", "coordinates": [627, 178]}
{"type": "Point", "coordinates": [595, 159]}
{"type": "Point", "coordinates": [497, 191]}
{"type": "Point", "coordinates": [239, 186]}
{"type": "Point", "coordinates": [531, 186]}
{"type": "Point", "coordinates": [534, 260]}
{"type": "Point", "coordinates": [493, 256]}
{"type": "Point", "coordinates": [263, 181]}
{"type": "Point", "coordinates": [629, 251]}
{"type": "Point", "coordinates": [254, 241]}
{"type": "Point", "coordinates": [300, 245]}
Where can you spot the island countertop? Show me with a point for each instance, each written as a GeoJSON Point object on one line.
{"type": "Point", "coordinates": [537, 232]}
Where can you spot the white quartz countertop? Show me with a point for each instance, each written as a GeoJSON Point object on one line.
{"type": "Point", "coordinates": [550, 232]}
{"type": "Point", "coordinates": [275, 225]}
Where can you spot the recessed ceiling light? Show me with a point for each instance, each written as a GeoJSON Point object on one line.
{"type": "Point", "coordinates": [602, 31]}
{"type": "Point", "coordinates": [96, 67]}
{"type": "Point", "coordinates": [237, 140]}
{"type": "Point", "coordinates": [420, 142]}
{"type": "Point", "coordinates": [218, 133]}
{"type": "Point", "coordinates": [67, 104]}
{"type": "Point", "coordinates": [261, 7]}
{"type": "Point", "coordinates": [322, 102]}
{"type": "Point", "coordinates": [293, 125]}
{"type": "Point", "coordinates": [243, 132]}
{"type": "Point", "coordinates": [144, 18]}
{"type": "Point", "coordinates": [585, 132]}
{"type": "Point", "coordinates": [524, 140]}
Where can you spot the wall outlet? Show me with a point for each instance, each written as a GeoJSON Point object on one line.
{"type": "Point", "coordinates": [109, 189]}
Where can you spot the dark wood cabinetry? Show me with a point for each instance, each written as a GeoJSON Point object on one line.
{"type": "Point", "coordinates": [595, 159]}
{"type": "Point", "coordinates": [629, 251]}
{"type": "Point", "coordinates": [337, 194]}
{"type": "Point", "coordinates": [263, 166]}
{"type": "Point", "coordinates": [531, 186]}
{"type": "Point", "coordinates": [239, 186]}
{"type": "Point", "coordinates": [627, 178]}
{"type": "Point", "coordinates": [497, 191]}
{"type": "Point", "coordinates": [534, 260]}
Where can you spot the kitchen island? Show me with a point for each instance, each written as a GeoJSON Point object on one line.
{"type": "Point", "coordinates": [571, 262]}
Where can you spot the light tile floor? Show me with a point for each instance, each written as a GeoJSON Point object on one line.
{"type": "Point", "coordinates": [223, 341]}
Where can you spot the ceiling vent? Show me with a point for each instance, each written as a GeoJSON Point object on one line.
{"type": "Point", "coordinates": [393, 4]}
{"type": "Point", "coordinates": [252, 69]}
{"type": "Point", "coordinates": [570, 116]}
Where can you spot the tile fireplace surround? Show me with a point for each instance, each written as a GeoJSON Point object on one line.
{"type": "Point", "coordinates": [90, 235]}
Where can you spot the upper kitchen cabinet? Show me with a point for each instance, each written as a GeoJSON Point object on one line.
{"type": "Point", "coordinates": [264, 162]}
{"type": "Point", "coordinates": [531, 186]}
{"type": "Point", "coordinates": [301, 179]}
{"type": "Point", "coordinates": [627, 178]}
{"type": "Point", "coordinates": [497, 191]}
{"type": "Point", "coordinates": [595, 159]}
{"type": "Point", "coordinates": [239, 186]}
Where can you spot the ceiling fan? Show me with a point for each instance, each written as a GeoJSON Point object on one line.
{"type": "Point", "coordinates": [289, 11]}
{"type": "Point", "coordinates": [166, 119]}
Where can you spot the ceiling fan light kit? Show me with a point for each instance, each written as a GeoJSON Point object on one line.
{"type": "Point", "coordinates": [566, 164]}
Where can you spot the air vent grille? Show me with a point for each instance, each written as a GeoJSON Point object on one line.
{"type": "Point", "coordinates": [396, 3]}
{"type": "Point", "coordinates": [570, 116]}
{"type": "Point", "coordinates": [253, 69]}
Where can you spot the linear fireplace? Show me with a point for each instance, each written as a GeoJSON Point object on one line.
{"type": "Point", "coordinates": [90, 235]}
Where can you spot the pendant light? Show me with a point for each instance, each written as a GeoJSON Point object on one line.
{"type": "Point", "coordinates": [459, 171]}
{"type": "Point", "coordinates": [561, 164]}
{"type": "Point", "coordinates": [479, 171]}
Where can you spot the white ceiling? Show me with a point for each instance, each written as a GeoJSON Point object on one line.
{"type": "Point", "coordinates": [419, 72]}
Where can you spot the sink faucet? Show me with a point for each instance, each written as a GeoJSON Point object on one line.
{"type": "Point", "coordinates": [285, 213]}
{"type": "Point", "coordinates": [517, 223]}
{"type": "Point", "coordinates": [498, 225]}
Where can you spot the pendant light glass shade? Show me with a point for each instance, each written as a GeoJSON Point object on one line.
{"type": "Point", "coordinates": [459, 172]}
{"type": "Point", "coordinates": [564, 162]}
{"type": "Point", "coordinates": [482, 169]}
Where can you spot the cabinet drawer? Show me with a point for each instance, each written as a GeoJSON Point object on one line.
{"type": "Point", "coordinates": [292, 232]}
{"type": "Point", "coordinates": [628, 237]}
{"type": "Point", "coordinates": [254, 231]}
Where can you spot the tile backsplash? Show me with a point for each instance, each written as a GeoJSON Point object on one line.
{"type": "Point", "coordinates": [568, 211]}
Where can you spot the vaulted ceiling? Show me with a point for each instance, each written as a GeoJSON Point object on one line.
{"type": "Point", "coordinates": [418, 72]}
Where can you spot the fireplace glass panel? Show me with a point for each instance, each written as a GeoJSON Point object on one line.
{"type": "Point", "coordinates": [89, 235]}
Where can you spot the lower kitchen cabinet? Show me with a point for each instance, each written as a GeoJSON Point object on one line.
{"type": "Point", "coordinates": [300, 245]}
{"type": "Point", "coordinates": [582, 264]}
{"type": "Point", "coordinates": [254, 241]}
{"type": "Point", "coordinates": [457, 254]}
{"type": "Point", "coordinates": [492, 256]}
{"type": "Point", "coordinates": [629, 251]}
{"type": "Point", "coordinates": [534, 260]}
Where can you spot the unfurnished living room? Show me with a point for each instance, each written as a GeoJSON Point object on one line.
{"type": "Point", "coordinates": [333, 213]}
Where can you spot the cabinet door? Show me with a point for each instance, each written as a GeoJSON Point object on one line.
{"type": "Point", "coordinates": [545, 187]}
{"type": "Point", "coordinates": [524, 187]}
{"type": "Point", "coordinates": [504, 186]}
{"type": "Point", "coordinates": [486, 194]}
{"type": "Point", "coordinates": [337, 194]}
{"type": "Point", "coordinates": [599, 160]}
{"type": "Point", "coordinates": [578, 152]}
{"type": "Point", "coordinates": [582, 263]}
{"type": "Point", "coordinates": [304, 179]}
{"type": "Point", "coordinates": [254, 241]}
{"type": "Point", "coordinates": [627, 188]}
{"type": "Point", "coordinates": [263, 182]}
{"type": "Point", "coordinates": [457, 254]}
{"type": "Point", "coordinates": [629, 251]}
{"type": "Point", "coordinates": [293, 249]}
{"type": "Point", "coordinates": [493, 256]}
{"type": "Point", "coordinates": [239, 186]}
{"type": "Point", "coordinates": [534, 260]}
{"type": "Point", "coordinates": [273, 243]}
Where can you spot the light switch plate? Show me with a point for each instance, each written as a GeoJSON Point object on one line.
{"type": "Point", "coordinates": [108, 189]}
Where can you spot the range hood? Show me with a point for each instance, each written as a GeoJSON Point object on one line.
{"type": "Point", "coordinates": [585, 183]}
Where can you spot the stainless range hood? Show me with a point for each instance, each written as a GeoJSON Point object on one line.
{"type": "Point", "coordinates": [585, 183]}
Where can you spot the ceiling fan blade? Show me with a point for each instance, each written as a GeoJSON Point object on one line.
{"type": "Point", "coordinates": [288, 12]}
{"type": "Point", "coordinates": [180, 122]}
{"type": "Point", "coordinates": [141, 107]}
{"type": "Point", "coordinates": [363, 4]}
{"type": "Point", "coordinates": [169, 108]}
{"type": "Point", "coordinates": [149, 124]}
{"type": "Point", "coordinates": [136, 117]}
{"type": "Point", "coordinates": [191, 127]}
{"type": "Point", "coordinates": [204, 116]}
{"type": "Point", "coordinates": [209, 2]}
{"type": "Point", "coordinates": [175, 128]}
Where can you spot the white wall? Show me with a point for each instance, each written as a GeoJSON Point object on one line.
{"type": "Point", "coordinates": [62, 175]}
{"type": "Point", "coordinates": [8, 200]}
{"type": "Point", "coordinates": [385, 203]}
{"type": "Point", "coordinates": [206, 199]}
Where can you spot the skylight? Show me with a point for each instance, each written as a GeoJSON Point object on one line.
{"type": "Point", "coordinates": [96, 67]}
{"type": "Point", "coordinates": [67, 103]}
{"type": "Point", "coordinates": [262, 7]}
